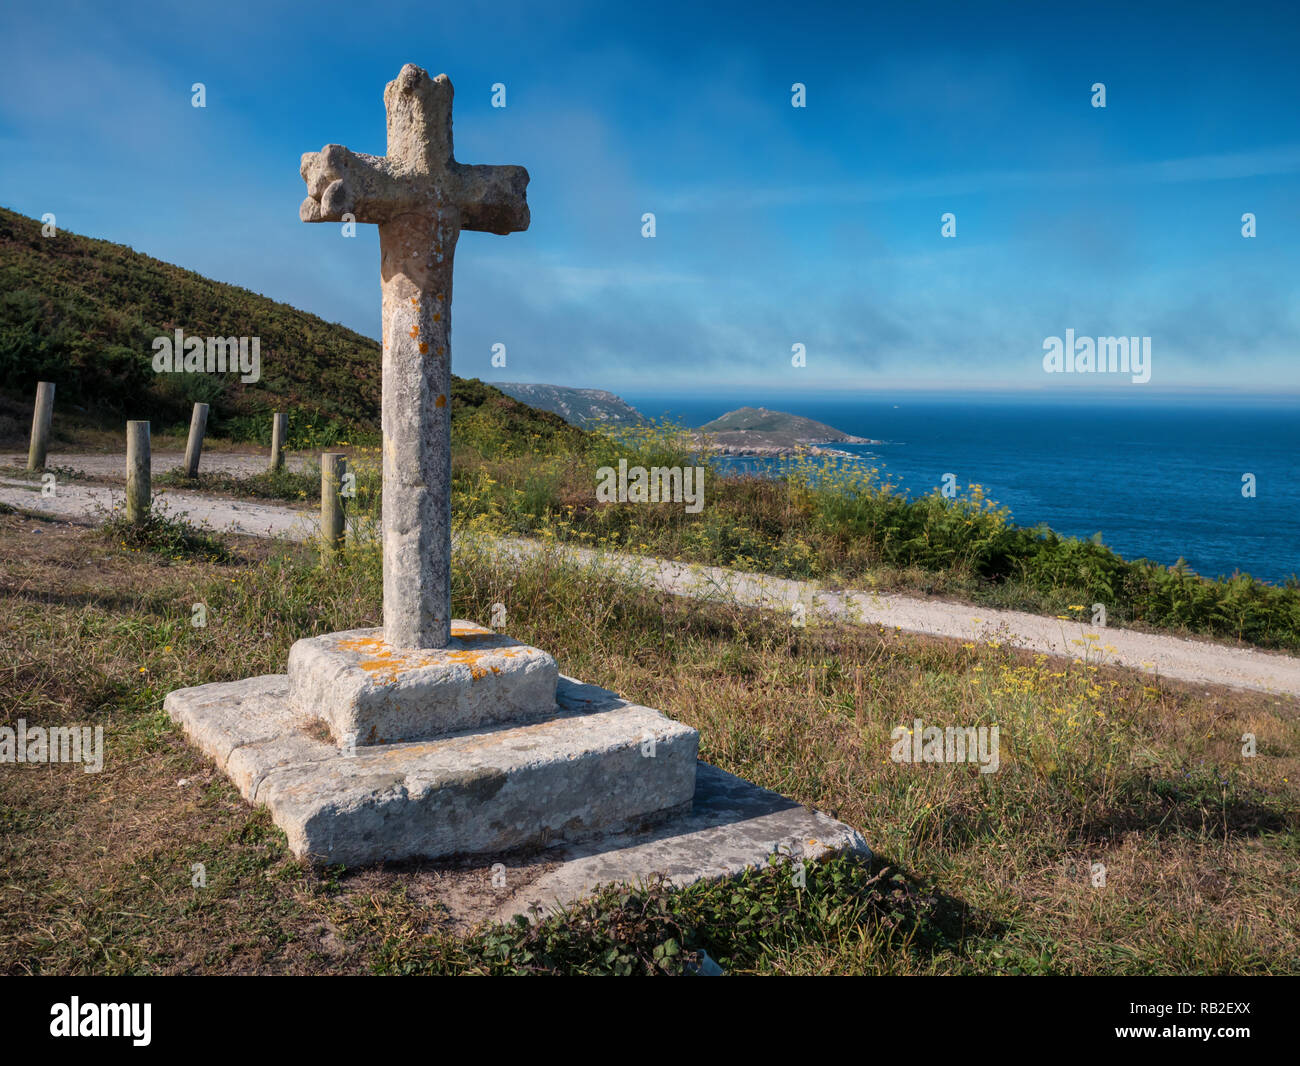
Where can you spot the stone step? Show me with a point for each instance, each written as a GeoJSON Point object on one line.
{"type": "Point", "coordinates": [597, 766]}
{"type": "Point", "coordinates": [733, 826]}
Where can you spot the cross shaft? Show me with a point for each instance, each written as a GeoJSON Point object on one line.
{"type": "Point", "coordinates": [421, 199]}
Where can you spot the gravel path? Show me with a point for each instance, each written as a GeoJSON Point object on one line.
{"type": "Point", "coordinates": [114, 466]}
{"type": "Point", "coordinates": [1173, 657]}
{"type": "Point", "coordinates": [75, 501]}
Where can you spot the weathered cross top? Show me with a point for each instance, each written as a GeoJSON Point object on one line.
{"type": "Point", "coordinates": [421, 199]}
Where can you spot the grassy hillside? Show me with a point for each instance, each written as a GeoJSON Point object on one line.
{"type": "Point", "coordinates": [759, 420]}
{"type": "Point", "coordinates": [83, 313]}
{"type": "Point", "coordinates": [586, 408]}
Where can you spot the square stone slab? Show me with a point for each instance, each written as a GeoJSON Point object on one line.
{"type": "Point", "coordinates": [598, 765]}
{"type": "Point", "coordinates": [369, 692]}
{"type": "Point", "coordinates": [733, 826]}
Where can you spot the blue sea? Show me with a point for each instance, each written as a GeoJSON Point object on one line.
{"type": "Point", "coordinates": [1160, 479]}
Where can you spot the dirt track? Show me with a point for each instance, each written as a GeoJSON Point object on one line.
{"type": "Point", "coordinates": [1174, 657]}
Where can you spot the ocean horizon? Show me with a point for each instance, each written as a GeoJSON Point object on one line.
{"type": "Point", "coordinates": [1158, 478]}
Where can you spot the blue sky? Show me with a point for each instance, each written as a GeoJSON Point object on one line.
{"type": "Point", "coordinates": [775, 225]}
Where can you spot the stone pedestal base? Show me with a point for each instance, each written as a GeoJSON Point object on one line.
{"type": "Point", "coordinates": [607, 788]}
{"type": "Point", "coordinates": [370, 693]}
{"type": "Point", "coordinates": [597, 765]}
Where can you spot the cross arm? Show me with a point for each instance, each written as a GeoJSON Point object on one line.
{"type": "Point", "coordinates": [340, 181]}
{"type": "Point", "coordinates": [491, 198]}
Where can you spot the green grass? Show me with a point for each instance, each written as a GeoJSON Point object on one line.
{"type": "Point", "coordinates": [163, 534]}
{"type": "Point", "coordinates": [844, 524]}
{"type": "Point", "coordinates": [284, 484]}
{"type": "Point", "coordinates": [743, 925]}
{"type": "Point", "coordinates": [83, 313]}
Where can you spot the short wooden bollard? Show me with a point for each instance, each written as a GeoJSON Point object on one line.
{"type": "Point", "coordinates": [194, 446]}
{"type": "Point", "coordinates": [41, 419]}
{"type": "Point", "coordinates": [138, 491]}
{"type": "Point", "coordinates": [333, 471]}
{"type": "Point", "coordinates": [279, 430]}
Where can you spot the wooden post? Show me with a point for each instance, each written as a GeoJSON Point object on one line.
{"type": "Point", "coordinates": [333, 468]}
{"type": "Point", "coordinates": [41, 419]}
{"type": "Point", "coordinates": [279, 430]}
{"type": "Point", "coordinates": [194, 446]}
{"type": "Point", "coordinates": [138, 492]}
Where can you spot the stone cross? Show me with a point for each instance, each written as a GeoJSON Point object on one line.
{"type": "Point", "coordinates": [421, 199]}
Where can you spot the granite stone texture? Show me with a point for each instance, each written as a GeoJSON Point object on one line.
{"type": "Point", "coordinates": [370, 693]}
{"type": "Point", "coordinates": [733, 826]}
{"type": "Point", "coordinates": [421, 199]}
{"type": "Point", "coordinates": [598, 765]}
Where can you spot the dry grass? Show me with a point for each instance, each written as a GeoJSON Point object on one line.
{"type": "Point", "coordinates": [1098, 766]}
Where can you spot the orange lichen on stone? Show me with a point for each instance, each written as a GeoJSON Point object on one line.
{"type": "Point", "coordinates": [424, 348]}
{"type": "Point", "coordinates": [364, 643]}
{"type": "Point", "coordinates": [441, 401]}
{"type": "Point", "coordinates": [415, 332]}
{"type": "Point", "coordinates": [387, 664]}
